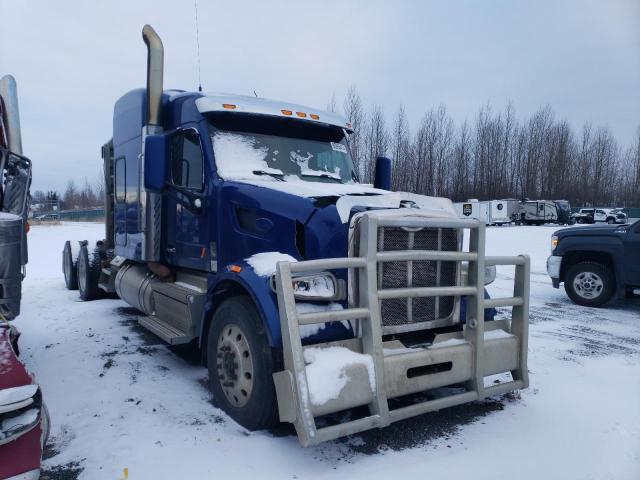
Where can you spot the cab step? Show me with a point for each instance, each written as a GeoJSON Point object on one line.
{"type": "Point", "coordinates": [166, 332]}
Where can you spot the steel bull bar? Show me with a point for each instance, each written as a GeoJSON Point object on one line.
{"type": "Point", "coordinates": [464, 357]}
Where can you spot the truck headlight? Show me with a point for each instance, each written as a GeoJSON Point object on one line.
{"type": "Point", "coordinates": [322, 286]}
{"type": "Point", "coordinates": [554, 242]}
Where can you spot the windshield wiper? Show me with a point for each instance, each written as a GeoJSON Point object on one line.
{"type": "Point", "coordinates": [277, 176]}
{"type": "Point", "coordinates": [322, 175]}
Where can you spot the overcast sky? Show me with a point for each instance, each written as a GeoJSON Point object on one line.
{"type": "Point", "coordinates": [73, 59]}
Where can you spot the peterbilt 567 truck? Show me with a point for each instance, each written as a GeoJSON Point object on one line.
{"type": "Point", "coordinates": [239, 224]}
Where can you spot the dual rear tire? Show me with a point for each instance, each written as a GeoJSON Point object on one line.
{"type": "Point", "coordinates": [83, 272]}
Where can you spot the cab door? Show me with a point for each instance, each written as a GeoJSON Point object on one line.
{"type": "Point", "coordinates": [186, 232]}
{"type": "Point", "coordinates": [600, 215]}
{"type": "Point", "coordinates": [632, 255]}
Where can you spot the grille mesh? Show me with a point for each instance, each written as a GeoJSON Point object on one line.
{"type": "Point", "coordinates": [428, 273]}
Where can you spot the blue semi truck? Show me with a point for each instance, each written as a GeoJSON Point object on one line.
{"type": "Point", "coordinates": [239, 224]}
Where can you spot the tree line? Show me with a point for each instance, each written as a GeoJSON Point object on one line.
{"type": "Point", "coordinates": [89, 195]}
{"type": "Point", "coordinates": [495, 155]}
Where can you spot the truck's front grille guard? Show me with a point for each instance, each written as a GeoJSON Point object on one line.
{"type": "Point", "coordinates": [291, 383]}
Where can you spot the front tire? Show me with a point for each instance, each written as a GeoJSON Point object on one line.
{"type": "Point", "coordinates": [611, 221]}
{"type": "Point", "coordinates": [240, 364]}
{"type": "Point", "coordinates": [69, 267]}
{"type": "Point", "coordinates": [88, 272]}
{"type": "Point", "coordinates": [589, 284]}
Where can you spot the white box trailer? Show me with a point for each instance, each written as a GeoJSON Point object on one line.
{"type": "Point", "coordinates": [492, 212]}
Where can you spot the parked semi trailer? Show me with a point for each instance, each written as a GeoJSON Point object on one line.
{"type": "Point", "coordinates": [239, 224]}
{"type": "Point", "coordinates": [492, 212]}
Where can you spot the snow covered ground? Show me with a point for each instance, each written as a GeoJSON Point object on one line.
{"type": "Point", "coordinates": [121, 399]}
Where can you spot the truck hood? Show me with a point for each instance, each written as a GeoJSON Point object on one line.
{"type": "Point", "coordinates": [346, 196]}
{"type": "Point", "coordinates": [304, 219]}
{"type": "Point", "coordinates": [593, 230]}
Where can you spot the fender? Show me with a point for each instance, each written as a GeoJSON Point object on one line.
{"type": "Point", "coordinates": [257, 288]}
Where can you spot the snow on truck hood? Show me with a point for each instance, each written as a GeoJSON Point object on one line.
{"type": "Point", "coordinates": [359, 195]}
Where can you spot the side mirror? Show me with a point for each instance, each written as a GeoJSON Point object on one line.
{"type": "Point", "coordinates": [382, 178]}
{"type": "Point", "coordinates": [156, 163]}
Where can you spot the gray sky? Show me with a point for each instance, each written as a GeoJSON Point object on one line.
{"type": "Point", "coordinates": [73, 59]}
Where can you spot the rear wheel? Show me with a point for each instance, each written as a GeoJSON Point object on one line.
{"type": "Point", "coordinates": [69, 267]}
{"type": "Point", "coordinates": [88, 271]}
{"type": "Point", "coordinates": [241, 365]}
{"type": "Point", "coordinates": [590, 284]}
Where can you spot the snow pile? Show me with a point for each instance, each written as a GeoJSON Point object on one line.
{"type": "Point", "coordinates": [237, 157]}
{"type": "Point", "coordinates": [452, 342]}
{"type": "Point", "coordinates": [264, 264]}
{"type": "Point", "coordinates": [496, 334]}
{"type": "Point", "coordinates": [326, 371]}
{"type": "Point", "coordinates": [311, 330]}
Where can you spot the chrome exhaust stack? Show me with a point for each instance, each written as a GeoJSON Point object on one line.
{"type": "Point", "coordinates": [155, 72]}
{"type": "Point", "coordinates": [9, 98]}
{"type": "Point", "coordinates": [151, 203]}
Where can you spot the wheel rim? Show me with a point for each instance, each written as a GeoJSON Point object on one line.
{"type": "Point", "coordinates": [588, 285]}
{"type": "Point", "coordinates": [82, 274]}
{"type": "Point", "coordinates": [234, 364]}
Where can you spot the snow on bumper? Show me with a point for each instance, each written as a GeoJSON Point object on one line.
{"type": "Point", "coordinates": [314, 384]}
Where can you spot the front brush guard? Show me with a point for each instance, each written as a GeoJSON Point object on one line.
{"type": "Point", "coordinates": [463, 357]}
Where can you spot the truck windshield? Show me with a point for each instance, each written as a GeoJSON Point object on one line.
{"type": "Point", "coordinates": [249, 147]}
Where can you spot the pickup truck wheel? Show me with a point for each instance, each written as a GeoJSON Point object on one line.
{"type": "Point", "coordinates": [611, 221]}
{"type": "Point", "coordinates": [88, 271]}
{"type": "Point", "coordinates": [69, 267]}
{"type": "Point", "coordinates": [590, 284]}
{"type": "Point", "coordinates": [580, 220]}
{"type": "Point", "coordinates": [240, 365]}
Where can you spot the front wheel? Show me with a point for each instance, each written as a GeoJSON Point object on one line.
{"type": "Point", "coordinates": [590, 284]}
{"type": "Point", "coordinates": [611, 221]}
{"type": "Point", "coordinates": [240, 364]}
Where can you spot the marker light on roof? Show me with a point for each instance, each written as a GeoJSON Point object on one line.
{"type": "Point", "coordinates": [229, 106]}
{"type": "Point", "coordinates": [301, 114]}
{"type": "Point", "coordinates": [286, 112]}
{"type": "Point", "coordinates": [315, 116]}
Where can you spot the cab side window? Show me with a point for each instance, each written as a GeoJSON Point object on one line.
{"type": "Point", "coordinates": [186, 160]}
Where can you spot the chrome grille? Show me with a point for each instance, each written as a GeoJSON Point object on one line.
{"type": "Point", "coordinates": [428, 273]}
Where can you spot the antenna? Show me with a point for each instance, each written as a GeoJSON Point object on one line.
{"type": "Point", "coordinates": [195, 4]}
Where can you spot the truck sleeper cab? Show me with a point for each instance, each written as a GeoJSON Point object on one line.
{"type": "Point", "coordinates": [239, 223]}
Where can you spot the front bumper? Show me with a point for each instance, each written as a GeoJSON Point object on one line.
{"type": "Point", "coordinates": [376, 370]}
{"type": "Point", "coordinates": [554, 262]}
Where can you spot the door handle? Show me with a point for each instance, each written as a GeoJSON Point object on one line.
{"type": "Point", "coordinates": [171, 249]}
